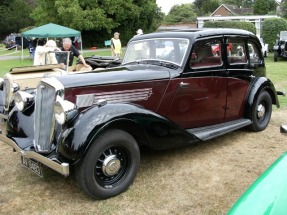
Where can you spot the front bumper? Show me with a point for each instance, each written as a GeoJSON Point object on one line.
{"type": "Point", "coordinates": [62, 168]}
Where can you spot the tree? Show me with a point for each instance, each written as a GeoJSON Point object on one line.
{"type": "Point", "coordinates": [271, 28]}
{"type": "Point", "coordinates": [102, 17]}
{"type": "Point", "coordinates": [283, 8]}
{"type": "Point", "coordinates": [183, 13]}
{"type": "Point", "coordinates": [262, 7]}
{"type": "Point", "coordinates": [15, 15]}
{"type": "Point", "coordinates": [209, 6]}
{"type": "Point", "coordinates": [237, 3]}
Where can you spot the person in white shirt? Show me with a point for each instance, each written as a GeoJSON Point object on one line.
{"type": "Point", "coordinates": [42, 55]}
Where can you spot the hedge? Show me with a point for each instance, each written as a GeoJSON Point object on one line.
{"type": "Point", "coordinates": [271, 28]}
{"type": "Point", "coordinates": [231, 24]}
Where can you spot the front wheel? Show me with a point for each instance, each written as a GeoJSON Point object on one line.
{"type": "Point", "coordinates": [261, 112]}
{"type": "Point", "coordinates": [109, 166]}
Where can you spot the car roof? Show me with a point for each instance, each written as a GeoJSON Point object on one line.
{"type": "Point", "coordinates": [194, 33]}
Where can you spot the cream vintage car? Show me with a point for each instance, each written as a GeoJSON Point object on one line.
{"type": "Point", "coordinates": [26, 78]}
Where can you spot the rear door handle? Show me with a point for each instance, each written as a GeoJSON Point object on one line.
{"type": "Point", "coordinates": [184, 85]}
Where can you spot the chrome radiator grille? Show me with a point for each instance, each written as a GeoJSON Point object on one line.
{"type": "Point", "coordinates": [7, 93]}
{"type": "Point", "coordinates": [44, 117]}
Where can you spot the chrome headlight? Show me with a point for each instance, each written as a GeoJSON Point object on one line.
{"type": "Point", "coordinates": [23, 100]}
{"type": "Point", "coordinates": [64, 110]}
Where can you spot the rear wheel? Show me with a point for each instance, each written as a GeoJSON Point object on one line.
{"type": "Point", "coordinates": [110, 165]}
{"type": "Point", "coordinates": [261, 112]}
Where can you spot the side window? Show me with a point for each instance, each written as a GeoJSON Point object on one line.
{"type": "Point", "coordinates": [236, 51]}
{"type": "Point", "coordinates": [254, 53]}
{"type": "Point", "coordinates": [206, 53]}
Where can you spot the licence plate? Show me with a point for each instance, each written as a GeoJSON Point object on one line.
{"type": "Point", "coordinates": [34, 166]}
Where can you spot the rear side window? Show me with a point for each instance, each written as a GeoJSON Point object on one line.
{"type": "Point", "coordinates": [206, 53]}
{"type": "Point", "coordinates": [236, 51]}
{"type": "Point", "coordinates": [254, 53]}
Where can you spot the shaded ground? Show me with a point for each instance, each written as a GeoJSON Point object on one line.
{"type": "Point", "coordinates": [203, 179]}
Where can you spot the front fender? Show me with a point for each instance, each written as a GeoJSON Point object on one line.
{"type": "Point", "coordinates": [258, 85]}
{"type": "Point", "coordinates": [145, 126]}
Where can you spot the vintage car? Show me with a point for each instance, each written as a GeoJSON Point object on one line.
{"type": "Point", "coordinates": [93, 124]}
{"type": "Point", "coordinates": [280, 47]}
{"type": "Point", "coordinates": [268, 194]}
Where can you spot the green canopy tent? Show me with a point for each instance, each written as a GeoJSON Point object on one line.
{"type": "Point", "coordinates": [50, 31]}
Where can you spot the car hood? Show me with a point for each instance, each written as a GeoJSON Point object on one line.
{"type": "Point", "coordinates": [123, 74]}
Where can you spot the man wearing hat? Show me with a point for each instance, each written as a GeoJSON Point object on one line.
{"type": "Point", "coordinates": [116, 45]}
{"type": "Point", "coordinates": [42, 57]}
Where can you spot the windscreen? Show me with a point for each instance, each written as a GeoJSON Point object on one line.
{"type": "Point", "coordinates": [163, 49]}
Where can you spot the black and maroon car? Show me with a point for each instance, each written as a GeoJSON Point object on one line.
{"type": "Point", "coordinates": [170, 91]}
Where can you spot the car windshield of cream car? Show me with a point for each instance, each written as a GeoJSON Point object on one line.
{"type": "Point", "coordinates": [167, 50]}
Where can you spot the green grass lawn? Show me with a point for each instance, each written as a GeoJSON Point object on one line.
{"type": "Point", "coordinates": [277, 73]}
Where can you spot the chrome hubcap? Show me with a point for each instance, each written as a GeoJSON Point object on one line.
{"type": "Point", "coordinates": [260, 111]}
{"type": "Point", "coordinates": [111, 165]}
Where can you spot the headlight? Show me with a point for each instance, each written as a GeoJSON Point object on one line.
{"type": "Point", "coordinates": [64, 110]}
{"type": "Point", "coordinates": [23, 100]}
{"type": "Point", "coordinates": [15, 87]}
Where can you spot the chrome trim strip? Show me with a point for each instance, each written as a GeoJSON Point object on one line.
{"type": "Point", "coordinates": [62, 168]}
{"type": "Point", "coordinates": [59, 87]}
{"type": "Point", "coordinates": [114, 97]}
{"type": "Point", "coordinates": [3, 116]}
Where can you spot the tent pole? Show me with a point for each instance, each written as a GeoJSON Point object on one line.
{"type": "Point", "coordinates": [22, 48]}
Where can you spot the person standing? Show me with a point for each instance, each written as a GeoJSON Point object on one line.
{"type": "Point", "coordinates": [42, 55]}
{"type": "Point", "coordinates": [67, 46]}
{"type": "Point", "coordinates": [116, 45]}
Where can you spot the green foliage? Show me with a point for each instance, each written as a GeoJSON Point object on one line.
{"type": "Point", "coordinates": [15, 15]}
{"type": "Point", "coordinates": [100, 17]}
{"type": "Point", "coordinates": [232, 2]}
{"type": "Point", "coordinates": [209, 6]}
{"type": "Point", "coordinates": [183, 13]}
{"type": "Point", "coordinates": [262, 7]}
{"type": "Point", "coordinates": [283, 7]}
{"type": "Point", "coordinates": [271, 28]}
{"type": "Point", "coordinates": [231, 24]}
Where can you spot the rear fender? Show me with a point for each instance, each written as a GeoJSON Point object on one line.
{"type": "Point", "coordinates": [260, 84]}
{"type": "Point", "coordinates": [147, 127]}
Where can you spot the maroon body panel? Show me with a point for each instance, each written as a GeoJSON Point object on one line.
{"type": "Point", "coordinates": [129, 92]}
{"type": "Point", "coordinates": [202, 103]}
{"type": "Point", "coordinates": [236, 98]}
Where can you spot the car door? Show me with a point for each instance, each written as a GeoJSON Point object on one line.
{"type": "Point", "coordinates": [200, 98]}
{"type": "Point", "coordinates": [239, 74]}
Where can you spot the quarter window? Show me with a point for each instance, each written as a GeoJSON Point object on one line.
{"type": "Point", "coordinates": [206, 53]}
{"type": "Point", "coordinates": [236, 51]}
{"type": "Point", "coordinates": [254, 53]}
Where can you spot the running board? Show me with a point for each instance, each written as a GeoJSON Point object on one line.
{"type": "Point", "coordinates": [209, 132]}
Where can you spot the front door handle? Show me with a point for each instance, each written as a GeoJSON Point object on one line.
{"type": "Point", "coordinates": [184, 85]}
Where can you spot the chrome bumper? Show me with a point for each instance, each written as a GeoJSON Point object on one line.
{"type": "Point", "coordinates": [62, 168]}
